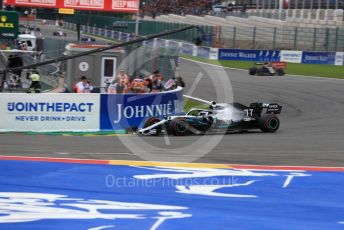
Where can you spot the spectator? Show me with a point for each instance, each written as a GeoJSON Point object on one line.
{"type": "Point", "coordinates": [155, 74]}
{"type": "Point", "coordinates": [89, 87]}
{"type": "Point", "coordinates": [83, 86]}
{"type": "Point", "coordinates": [15, 61]}
{"type": "Point", "coordinates": [35, 86]}
{"type": "Point", "coordinates": [198, 41]}
{"type": "Point", "coordinates": [24, 46]}
{"type": "Point", "coordinates": [117, 87]}
{"type": "Point", "coordinates": [123, 76]}
{"type": "Point", "coordinates": [148, 85]}
{"type": "Point", "coordinates": [157, 85]}
{"type": "Point", "coordinates": [111, 88]}
{"type": "Point", "coordinates": [138, 85]}
{"type": "Point", "coordinates": [181, 7]}
{"type": "Point", "coordinates": [10, 62]}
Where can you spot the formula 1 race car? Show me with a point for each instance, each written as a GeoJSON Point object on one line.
{"type": "Point", "coordinates": [59, 33]}
{"type": "Point", "coordinates": [267, 69]}
{"type": "Point", "coordinates": [218, 118]}
{"type": "Point", "coordinates": [87, 39]}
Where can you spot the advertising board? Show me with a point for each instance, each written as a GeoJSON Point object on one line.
{"type": "Point", "coordinates": [9, 24]}
{"type": "Point", "coordinates": [249, 55]}
{"type": "Point", "coordinates": [324, 58]}
{"type": "Point", "coordinates": [120, 111]}
{"type": "Point", "coordinates": [203, 52]}
{"type": "Point", "coordinates": [98, 5]}
{"type": "Point", "coordinates": [291, 56]}
{"type": "Point", "coordinates": [53, 112]}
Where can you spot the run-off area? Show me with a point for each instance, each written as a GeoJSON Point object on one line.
{"type": "Point", "coordinates": [41, 195]}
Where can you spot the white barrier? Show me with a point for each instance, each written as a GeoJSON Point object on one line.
{"type": "Point", "coordinates": [55, 112]}
{"type": "Point", "coordinates": [49, 112]}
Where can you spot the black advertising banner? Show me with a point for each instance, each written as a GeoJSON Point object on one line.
{"type": "Point", "coordinates": [9, 24]}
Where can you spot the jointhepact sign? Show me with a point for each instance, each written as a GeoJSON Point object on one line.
{"type": "Point", "coordinates": [51, 112]}
{"type": "Point", "coordinates": [9, 27]}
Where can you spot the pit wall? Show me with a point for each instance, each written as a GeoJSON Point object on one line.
{"type": "Point", "coordinates": [84, 112]}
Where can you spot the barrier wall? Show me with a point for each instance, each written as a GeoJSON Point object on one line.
{"type": "Point", "coordinates": [249, 55]}
{"type": "Point", "coordinates": [129, 110]}
{"type": "Point", "coordinates": [84, 112]}
{"type": "Point", "coordinates": [294, 56]}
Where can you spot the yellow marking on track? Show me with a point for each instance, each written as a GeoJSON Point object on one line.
{"type": "Point", "coordinates": [167, 164]}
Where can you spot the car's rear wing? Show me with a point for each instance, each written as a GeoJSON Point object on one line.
{"type": "Point", "coordinates": [271, 108]}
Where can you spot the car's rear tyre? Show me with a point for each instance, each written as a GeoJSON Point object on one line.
{"type": "Point", "coordinates": [151, 121]}
{"type": "Point", "coordinates": [280, 72]}
{"type": "Point", "coordinates": [269, 123]}
{"type": "Point", "coordinates": [179, 127]}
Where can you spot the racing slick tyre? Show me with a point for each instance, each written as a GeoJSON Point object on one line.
{"type": "Point", "coordinates": [269, 123]}
{"type": "Point", "coordinates": [179, 127]}
{"type": "Point", "coordinates": [252, 71]}
{"type": "Point", "coordinates": [280, 72]}
{"type": "Point", "coordinates": [260, 72]}
{"type": "Point", "coordinates": [151, 121]}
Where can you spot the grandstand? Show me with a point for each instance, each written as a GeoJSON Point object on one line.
{"type": "Point", "coordinates": [304, 29]}
{"type": "Point", "coordinates": [319, 18]}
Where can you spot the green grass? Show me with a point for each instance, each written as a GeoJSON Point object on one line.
{"type": "Point", "coordinates": [189, 104]}
{"type": "Point", "coordinates": [329, 71]}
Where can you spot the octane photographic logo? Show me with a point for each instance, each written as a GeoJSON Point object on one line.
{"type": "Point", "coordinates": [208, 82]}
{"type": "Point", "coordinates": [31, 207]}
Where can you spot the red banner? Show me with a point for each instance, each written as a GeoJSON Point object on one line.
{"type": "Point", "coordinates": [98, 5]}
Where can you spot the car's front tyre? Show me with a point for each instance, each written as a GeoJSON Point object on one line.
{"type": "Point", "coordinates": [252, 71]}
{"type": "Point", "coordinates": [151, 121]}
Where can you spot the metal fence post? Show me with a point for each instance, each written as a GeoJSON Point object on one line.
{"type": "Point", "coordinates": [234, 37]}
{"type": "Point", "coordinates": [314, 38]}
{"type": "Point", "coordinates": [274, 39]}
{"type": "Point", "coordinates": [295, 38]}
{"type": "Point", "coordinates": [327, 44]}
{"type": "Point", "coordinates": [336, 39]}
{"type": "Point", "coordinates": [254, 38]}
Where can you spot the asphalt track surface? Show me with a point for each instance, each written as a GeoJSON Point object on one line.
{"type": "Point", "coordinates": [311, 131]}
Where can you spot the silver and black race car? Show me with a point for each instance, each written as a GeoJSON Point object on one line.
{"type": "Point", "coordinates": [218, 118]}
{"type": "Point", "coordinates": [59, 33]}
{"type": "Point", "coordinates": [266, 69]}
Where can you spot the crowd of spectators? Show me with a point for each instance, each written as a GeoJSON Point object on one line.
{"type": "Point", "coordinates": [123, 84]}
{"type": "Point", "coordinates": [180, 7]}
